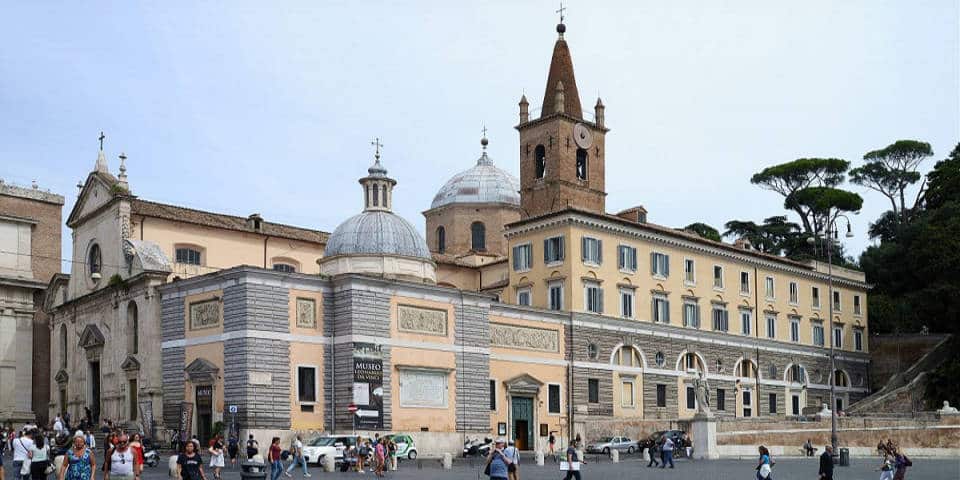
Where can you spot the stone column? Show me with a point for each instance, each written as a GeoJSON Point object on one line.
{"type": "Point", "coordinates": [704, 433]}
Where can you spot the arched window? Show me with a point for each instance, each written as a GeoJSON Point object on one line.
{"type": "Point", "coordinates": [627, 356]}
{"type": "Point", "coordinates": [840, 379]}
{"type": "Point", "coordinates": [441, 239]}
{"type": "Point", "coordinates": [63, 347]}
{"type": "Point", "coordinates": [133, 329]}
{"type": "Point", "coordinates": [540, 160]}
{"type": "Point", "coordinates": [376, 195]}
{"type": "Point", "coordinates": [94, 262]}
{"type": "Point", "coordinates": [746, 369]}
{"type": "Point", "coordinates": [383, 194]}
{"type": "Point", "coordinates": [366, 198]}
{"type": "Point", "coordinates": [478, 236]}
{"type": "Point", "coordinates": [796, 374]}
{"type": "Point", "coordinates": [692, 363]}
{"type": "Point", "coordinates": [581, 164]}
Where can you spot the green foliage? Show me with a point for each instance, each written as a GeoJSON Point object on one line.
{"type": "Point", "coordinates": [789, 178]}
{"type": "Point", "coordinates": [773, 236]}
{"type": "Point", "coordinates": [825, 201]}
{"type": "Point", "coordinates": [891, 171]}
{"type": "Point", "coordinates": [944, 180]}
{"type": "Point", "coordinates": [942, 382]}
{"type": "Point", "coordinates": [117, 281]}
{"type": "Point", "coordinates": [704, 230]}
{"type": "Point", "coordinates": [904, 152]}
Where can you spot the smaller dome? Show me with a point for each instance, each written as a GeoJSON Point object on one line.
{"type": "Point", "coordinates": [377, 233]}
{"type": "Point", "coordinates": [484, 183]}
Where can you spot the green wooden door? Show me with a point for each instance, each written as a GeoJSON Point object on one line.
{"type": "Point", "coordinates": [522, 414]}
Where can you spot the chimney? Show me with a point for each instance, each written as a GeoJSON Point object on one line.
{"type": "Point", "coordinates": [598, 113]}
{"type": "Point", "coordinates": [255, 222]}
{"type": "Point", "coordinates": [634, 214]}
{"type": "Point", "coordinates": [743, 243]}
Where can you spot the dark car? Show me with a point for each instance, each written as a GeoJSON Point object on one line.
{"type": "Point", "coordinates": [675, 435]}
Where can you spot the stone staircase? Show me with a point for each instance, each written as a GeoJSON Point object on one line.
{"type": "Point", "coordinates": [905, 389]}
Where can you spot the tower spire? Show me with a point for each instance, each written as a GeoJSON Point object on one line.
{"type": "Point", "coordinates": [561, 70]}
{"type": "Point", "coordinates": [101, 165]}
{"type": "Point", "coordinates": [377, 186]}
{"type": "Point", "coordinates": [484, 159]}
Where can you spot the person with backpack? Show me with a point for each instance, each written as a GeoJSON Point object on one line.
{"type": "Point", "coordinates": [654, 452]}
{"type": "Point", "coordinates": [667, 452]}
{"type": "Point", "coordinates": [765, 465]}
{"type": "Point", "coordinates": [296, 450]}
{"type": "Point", "coordinates": [253, 448]}
{"type": "Point", "coordinates": [21, 455]}
{"type": "Point", "coordinates": [513, 454]}
{"type": "Point", "coordinates": [902, 462]}
{"type": "Point", "coordinates": [233, 449]}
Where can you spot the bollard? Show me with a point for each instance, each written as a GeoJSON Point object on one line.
{"type": "Point", "coordinates": [539, 458]}
{"type": "Point", "coordinates": [646, 455]}
{"type": "Point", "coordinates": [447, 461]}
{"type": "Point", "coordinates": [172, 466]}
{"type": "Point", "coordinates": [615, 456]}
{"type": "Point", "coordinates": [329, 463]}
{"type": "Point", "coordinates": [581, 455]}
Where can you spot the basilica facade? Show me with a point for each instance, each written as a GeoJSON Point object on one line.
{"type": "Point", "coordinates": [525, 310]}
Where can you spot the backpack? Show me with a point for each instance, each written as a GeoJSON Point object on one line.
{"type": "Point", "coordinates": [284, 455]}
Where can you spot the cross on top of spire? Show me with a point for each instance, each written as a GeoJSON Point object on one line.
{"type": "Point", "coordinates": [377, 145]}
{"type": "Point", "coordinates": [101, 137]}
{"type": "Point", "coordinates": [561, 10]}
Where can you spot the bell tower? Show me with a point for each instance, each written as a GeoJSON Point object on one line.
{"type": "Point", "coordinates": [561, 152]}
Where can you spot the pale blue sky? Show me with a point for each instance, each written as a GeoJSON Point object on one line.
{"type": "Point", "coordinates": [269, 107]}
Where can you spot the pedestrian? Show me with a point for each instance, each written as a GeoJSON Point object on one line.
{"type": "Point", "coordinates": [216, 457]}
{"type": "Point", "coordinates": [136, 444]}
{"type": "Point", "coordinates": [196, 440]}
{"type": "Point", "coordinates": [902, 462]}
{"type": "Point", "coordinates": [573, 460]}
{"type": "Point", "coordinates": [120, 464]}
{"type": "Point", "coordinates": [551, 444]}
{"type": "Point", "coordinates": [392, 450]}
{"type": "Point", "coordinates": [79, 463]}
{"type": "Point", "coordinates": [253, 448]}
{"type": "Point", "coordinates": [887, 462]}
{"type": "Point", "coordinates": [380, 454]}
{"type": "Point", "coordinates": [273, 456]}
{"type": "Point", "coordinates": [190, 464]}
{"type": "Point", "coordinates": [497, 462]}
{"type": "Point", "coordinates": [513, 454]}
{"type": "Point", "coordinates": [3, 448]}
{"type": "Point", "coordinates": [90, 440]}
{"type": "Point", "coordinates": [296, 449]}
{"type": "Point", "coordinates": [39, 459]}
{"type": "Point", "coordinates": [667, 451]}
{"type": "Point", "coordinates": [826, 463]}
{"type": "Point", "coordinates": [21, 455]}
{"type": "Point", "coordinates": [654, 452]}
{"type": "Point", "coordinates": [362, 452]}
{"type": "Point", "coordinates": [687, 445]}
{"type": "Point", "coordinates": [233, 449]}
{"type": "Point", "coordinates": [808, 448]}
{"type": "Point", "coordinates": [764, 465]}
{"type": "Point", "coordinates": [58, 425]}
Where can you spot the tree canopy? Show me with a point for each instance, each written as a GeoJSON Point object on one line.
{"type": "Point", "coordinates": [789, 178]}
{"type": "Point", "coordinates": [891, 171]}
{"type": "Point", "coordinates": [704, 230]}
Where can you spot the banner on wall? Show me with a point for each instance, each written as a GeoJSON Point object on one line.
{"type": "Point", "coordinates": [368, 386]}
{"type": "Point", "coordinates": [146, 417]}
{"type": "Point", "coordinates": [186, 420]}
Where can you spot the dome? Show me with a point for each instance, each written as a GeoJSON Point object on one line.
{"type": "Point", "coordinates": [484, 183]}
{"type": "Point", "coordinates": [377, 233]}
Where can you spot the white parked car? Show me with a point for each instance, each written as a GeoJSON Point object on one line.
{"type": "Point", "coordinates": [314, 450]}
{"type": "Point", "coordinates": [606, 444]}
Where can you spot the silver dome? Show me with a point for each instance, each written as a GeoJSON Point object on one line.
{"type": "Point", "coordinates": [376, 233]}
{"type": "Point", "coordinates": [484, 183]}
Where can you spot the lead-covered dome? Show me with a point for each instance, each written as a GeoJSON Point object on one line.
{"type": "Point", "coordinates": [484, 183]}
{"type": "Point", "coordinates": [377, 233]}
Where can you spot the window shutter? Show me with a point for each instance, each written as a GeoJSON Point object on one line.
{"type": "Point", "coordinates": [653, 263]}
{"type": "Point", "coordinates": [583, 248]}
{"type": "Point", "coordinates": [666, 265]}
{"type": "Point", "coordinates": [546, 251]}
{"type": "Point", "coordinates": [666, 311]}
{"type": "Point", "coordinates": [560, 249]}
{"type": "Point", "coordinates": [633, 259]}
{"type": "Point", "coordinates": [697, 316]}
{"type": "Point", "coordinates": [653, 310]}
{"type": "Point", "coordinates": [599, 251]}
{"type": "Point", "coordinates": [599, 300]}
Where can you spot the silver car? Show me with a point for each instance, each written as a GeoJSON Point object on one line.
{"type": "Point", "coordinates": [606, 444]}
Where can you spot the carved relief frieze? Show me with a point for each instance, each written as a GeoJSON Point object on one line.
{"type": "Point", "coordinates": [421, 320]}
{"type": "Point", "coordinates": [527, 338]}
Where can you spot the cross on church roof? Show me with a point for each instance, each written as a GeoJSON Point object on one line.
{"type": "Point", "coordinates": [561, 10]}
{"type": "Point", "coordinates": [376, 143]}
{"type": "Point", "coordinates": [101, 137]}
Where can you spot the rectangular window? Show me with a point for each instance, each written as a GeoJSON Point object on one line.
{"type": "Point", "coordinates": [794, 329]}
{"type": "Point", "coordinates": [493, 394]}
{"type": "Point", "coordinates": [593, 390]}
{"type": "Point", "coordinates": [660, 309]}
{"type": "Point", "coordinates": [746, 318]}
{"type": "Point", "coordinates": [553, 250]}
{"type": "Point", "coordinates": [818, 334]}
{"type": "Point", "coordinates": [591, 250]}
{"type": "Point", "coordinates": [721, 319]}
{"type": "Point", "coordinates": [837, 337]}
{"type": "Point", "coordinates": [626, 303]}
{"type": "Point", "coordinates": [523, 296]}
{"type": "Point", "coordinates": [627, 258]}
{"type": "Point", "coordinates": [307, 384]}
{"type": "Point", "coordinates": [691, 314]}
{"type": "Point", "coordinates": [554, 394]}
{"type": "Point", "coordinates": [773, 402]}
{"type": "Point", "coordinates": [522, 257]}
{"type": "Point", "coordinates": [627, 394]}
{"type": "Point", "coordinates": [815, 297]}
{"type": "Point", "coordinates": [858, 339]}
{"type": "Point", "coordinates": [691, 399]}
{"type": "Point", "coordinates": [857, 308]}
{"type": "Point", "coordinates": [188, 256]}
{"type": "Point", "coordinates": [747, 403]}
{"type": "Point", "coordinates": [794, 293]}
{"type": "Point", "coordinates": [689, 271]}
{"type": "Point", "coordinates": [555, 292]}
{"type": "Point", "coordinates": [770, 288]}
{"type": "Point", "coordinates": [721, 399]}
{"type": "Point", "coordinates": [659, 264]}
{"type": "Point", "coordinates": [661, 395]}
{"type": "Point", "coordinates": [717, 276]}
{"type": "Point", "coordinates": [593, 297]}
{"type": "Point", "coordinates": [771, 326]}
{"type": "Point", "coordinates": [744, 282]}
{"type": "Point", "coordinates": [836, 301]}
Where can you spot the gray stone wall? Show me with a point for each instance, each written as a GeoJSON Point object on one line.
{"type": "Point", "coordinates": [173, 363]}
{"type": "Point", "coordinates": [263, 406]}
{"type": "Point", "coordinates": [472, 329]}
{"type": "Point", "coordinates": [581, 391]}
{"type": "Point", "coordinates": [256, 307]}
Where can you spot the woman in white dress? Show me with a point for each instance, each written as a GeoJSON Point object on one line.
{"type": "Point", "coordinates": [216, 457]}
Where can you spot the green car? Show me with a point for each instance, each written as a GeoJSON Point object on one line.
{"type": "Point", "coordinates": [405, 446]}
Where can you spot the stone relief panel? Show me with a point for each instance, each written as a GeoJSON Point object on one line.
{"type": "Point", "coordinates": [527, 338]}
{"type": "Point", "coordinates": [306, 313]}
{"type": "Point", "coordinates": [421, 320]}
{"type": "Point", "coordinates": [205, 314]}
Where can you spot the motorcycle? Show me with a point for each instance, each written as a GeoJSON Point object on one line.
{"type": "Point", "coordinates": [151, 458]}
{"type": "Point", "coordinates": [476, 447]}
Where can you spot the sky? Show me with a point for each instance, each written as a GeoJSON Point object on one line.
{"type": "Point", "coordinates": [270, 107]}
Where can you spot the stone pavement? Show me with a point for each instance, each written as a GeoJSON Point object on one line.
{"type": "Point", "coordinates": [631, 468]}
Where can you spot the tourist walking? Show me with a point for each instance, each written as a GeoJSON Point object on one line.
{"type": "Point", "coordinates": [667, 450]}
{"type": "Point", "coordinates": [79, 463]}
{"type": "Point", "coordinates": [233, 449]}
{"type": "Point", "coordinates": [887, 462]}
{"type": "Point", "coordinates": [808, 448]}
{"type": "Point", "coordinates": [120, 464]}
{"type": "Point", "coordinates": [902, 462]}
{"type": "Point", "coordinates": [551, 445]}
{"type": "Point", "coordinates": [654, 452]}
{"type": "Point", "coordinates": [253, 448]}
{"type": "Point", "coordinates": [497, 462]}
{"type": "Point", "coordinates": [296, 449]}
{"type": "Point", "coordinates": [39, 459]}
{"type": "Point", "coordinates": [273, 456]}
{"type": "Point", "coordinates": [216, 457]}
{"type": "Point", "coordinates": [21, 455]}
{"type": "Point", "coordinates": [380, 452]}
{"type": "Point", "coordinates": [687, 445]}
{"type": "Point", "coordinates": [764, 465]}
{"type": "Point", "coordinates": [826, 463]}
{"type": "Point", "coordinates": [190, 464]}
{"type": "Point", "coordinates": [392, 451]}
{"type": "Point", "coordinates": [136, 444]}
{"type": "Point", "coordinates": [362, 452]}
{"type": "Point", "coordinates": [573, 458]}
{"type": "Point", "coordinates": [513, 454]}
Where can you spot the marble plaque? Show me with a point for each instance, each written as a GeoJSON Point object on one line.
{"type": "Point", "coordinates": [205, 314]}
{"type": "Point", "coordinates": [306, 313]}
{"type": "Point", "coordinates": [527, 338]}
{"type": "Point", "coordinates": [422, 320]}
{"type": "Point", "coordinates": [423, 388]}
